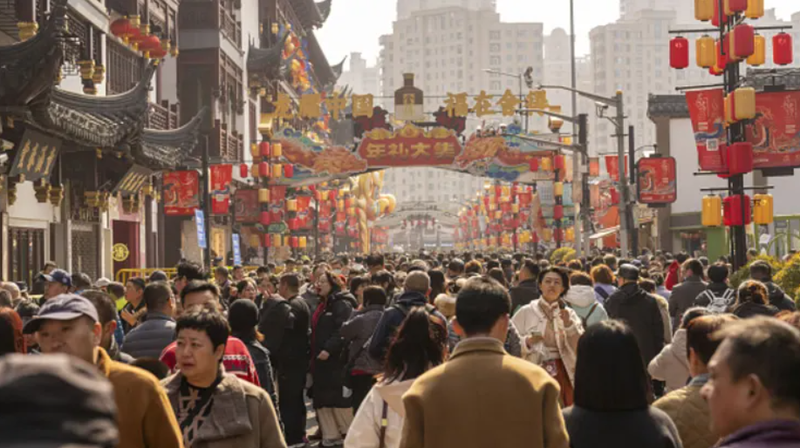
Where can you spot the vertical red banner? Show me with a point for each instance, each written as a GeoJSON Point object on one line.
{"type": "Point", "coordinates": [181, 193]}
{"type": "Point", "coordinates": [612, 166]}
{"type": "Point", "coordinates": [775, 133]}
{"type": "Point", "coordinates": [707, 112]}
{"type": "Point", "coordinates": [221, 177]}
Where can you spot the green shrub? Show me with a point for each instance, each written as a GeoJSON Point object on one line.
{"type": "Point", "coordinates": [788, 278]}
{"type": "Point", "coordinates": [743, 273]}
{"type": "Point", "coordinates": [562, 255]}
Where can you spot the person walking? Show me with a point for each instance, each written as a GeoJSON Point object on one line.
{"type": "Point", "coordinates": [718, 296]}
{"type": "Point", "coordinates": [446, 407]}
{"type": "Point", "coordinates": [762, 271]}
{"type": "Point", "coordinates": [216, 409]}
{"type": "Point", "coordinates": [362, 368]}
{"type": "Point", "coordinates": [684, 294]}
{"type": "Point", "coordinates": [133, 312]}
{"type": "Point", "coordinates": [639, 311]}
{"type": "Point", "coordinates": [612, 394]}
{"type": "Point", "coordinates": [327, 365]}
{"type": "Point", "coordinates": [527, 290]}
{"type": "Point", "coordinates": [69, 324]}
{"type": "Point", "coordinates": [686, 406]}
{"type": "Point", "coordinates": [752, 300]}
{"type": "Point", "coordinates": [243, 319]}
{"type": "Point", "coordinates": [581, 298]}
{"type": "Point", "coordinates": [421, 345]}
{"type": "Point", "coordinates": [671, 365]}
{"type": "Point", "coordinates": [286, 327]}
{"type": "Point", "coordinates": [11, 337]}
{"type": "Point", "coordinates": [550, 330]}
{"type": "Point", "coordinates": [752, 389]}
{"type": "Point", "coordinates": [603, 278]}
{"type": "Point", "coordinates": [157, 331]}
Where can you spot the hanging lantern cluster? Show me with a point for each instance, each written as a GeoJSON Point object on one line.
{"type": "Point", "coordinates": [499, 217]}
{"type": "Point", "coordinates": [138, 37]}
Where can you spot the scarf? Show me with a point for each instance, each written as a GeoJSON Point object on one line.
{"type": "Point", "coordinates": [194, 406]}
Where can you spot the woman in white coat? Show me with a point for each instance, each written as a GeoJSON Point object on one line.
{"type": "Point", "coordinates": [421, 344]}
{"type": "Point", "coordinates": [551, 331]}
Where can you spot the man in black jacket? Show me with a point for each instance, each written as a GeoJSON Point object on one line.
{"type": "Point", "coordinates": [762, 271]}
{"type": "Point", "coordinates": [528, 288]}
{"type": "Point", "coordinates": [639, 310]}
{"type": "Point", "coordinates": [416, 290]}
{"type": "Point", "coordinates": [285, 324]}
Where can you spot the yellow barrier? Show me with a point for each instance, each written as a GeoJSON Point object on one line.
{"type": "Point", "coordinates": [123, 275]}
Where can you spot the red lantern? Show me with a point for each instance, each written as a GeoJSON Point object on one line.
{"type": "Point", "coordinates": [743, 41]}
{"type": "Point", "coordinates": [266, 241]}
{"type": "Point", "coordinates": [558, 212]}
{"type": "Point", "coordinates": [263, 169]}
{"type": "Point", "coordinates": [288, 170]}
{"type": "Point", "coordinates": [558, 234]}
{"type": "Point", "coordinates": [120, 28]}
{"type": "Point", "coordinates": [293, 224]}
{"type": "Point", "coordinates": [498, 191]}
{"type": "Point", "coordinates": [782, 49]}
{"type": "Point", "coordinates": [740, 158]}
{"type": "Point", "coordinates": [244, 170]}
{"type": "Point", "coordinates": [559, 162]}
{"type": "Point", "coordinates": [722, 52]}
{"type": "Point", "coordinates": [266, 218]}
{"type": "Point", "coordinates": [732, 210]}
{"type": "Point", "coordinates": [718, 16]}
{"type": "Point", "coordinates": [534, 164]}
{"type": "Point", "coordinates": [264, 149]}
{"type": "Point", "coordinates": [348, 203]}
{"type": "Point", "coordinates": [294, 242]}
{"type": "Point", "coordinates": [158, 53]}
{"type": "Point", "coordinates": [679, 52]}
{"type": "Point", "coordinates": [148, 44]}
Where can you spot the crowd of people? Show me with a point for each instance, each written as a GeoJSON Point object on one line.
{"type": "Point", "coordinates": [430, 350]}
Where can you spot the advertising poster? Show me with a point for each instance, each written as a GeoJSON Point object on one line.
{"type": "Point", "coordinates": [221, 176]}
{"type": "Point", "coordinates": [775, 133]}
{"type": "Point", "coordinates": [656, 180]}
{"type": "Point", "coordinates": [181, 193]}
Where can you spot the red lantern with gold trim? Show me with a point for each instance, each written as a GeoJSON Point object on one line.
{"type": "Point", "coordinates": [263, 169]}
{"type": "Point", "coordinates": [264, 149]}
{"type": "Point", "coordinates": [288, 170]}
{"type": "Point", "coordinates": [679, 53]}
{"type": "Point", "coordinates": [244, 170]}
{"type": "Point", "coordinates": [782, 49]}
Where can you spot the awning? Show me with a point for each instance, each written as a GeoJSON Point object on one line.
{"type": "Point", "coordinates": [604, 233]}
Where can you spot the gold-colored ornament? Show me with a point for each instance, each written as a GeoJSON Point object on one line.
{"type": "Point", "coordinates": [27, 30]}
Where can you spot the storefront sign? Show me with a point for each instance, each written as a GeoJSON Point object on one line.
{"type": "Point", "coordinates": [775, 134]}
{"type": "Point", "coordinates": [120, 252]}
{"type": "Point", "coordinates": [133, 181]}
{"type": "Point", "coordinates": [237, 249]}
{"type": "Point", "coordinates": [200, 222]}
{"type": "Point", "coordinates": [221, 176]}
{"type": "Point", "coordinates": [656, 180]}
{"type": "Point", "coordinates": [181, 193]}
{"type": "Point", "coordinates": [278, 227]}
{"type": "Point", "coordinates": [36, 156]}
{"type": "Point", "coordinates": [247, 208]}
{"type": "Point", "coordinates": [410, 146]}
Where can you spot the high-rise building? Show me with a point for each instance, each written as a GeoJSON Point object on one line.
{"type": "Point", "coordinates": [360, 77]}
{"type": "Point", "coordinates": [684, 9]}
{"type": "Point", "coordinates": [558, 71]}
{"type": "Point", "coordinates": [449, 49]}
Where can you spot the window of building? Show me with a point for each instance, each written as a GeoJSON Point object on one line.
{"type": "Point", "coordinates": [494, 60]}
{"type": "Point", "coordinates": [495, 86]}
{"type": "Point", "coordinates": [494, 48]}
{"type": "Point", "coordinates": [494, 35]}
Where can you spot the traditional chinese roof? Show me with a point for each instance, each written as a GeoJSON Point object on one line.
{"type": "Point", "coordinates": [667, 106]}
{"type": "Point", "coordinates": [338, 69]}
{"type": "Point", "coordinates": [311, 15]}
{"type": "Point", "coordinates": [322, 69]}
{"type": "Point", "coordinates": [29, 68]}
{"type": "Point", "coordinates": [167, 149]}
{"type": "Point", "coordinates": [759, 78]}
{"type": "Point", "coordinates": [266, 62]}
{"type": "Point", "coordinates": [104, 121]}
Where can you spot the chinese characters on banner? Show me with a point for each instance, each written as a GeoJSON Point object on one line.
{"type": "Point", "coordinates": [707, 112]}
{"type": "Point", "coordinates": [310, 105]}
{"type": "Point", "coordinates": [612, 166]}
{"type": "Point", "coordinates": [181, 193]}
{"type": "Point", "coordinates": [221, 177]}
{"type": "Point", "coordinates": [36, 156]}
{"type": "Point", "coordinates": [656, 180]}
{"type": "Point", "coordinates": [133, 181]}
{"type": "Point", "coordinates": [775, 135]}
{"type": "Point", "coordinates": [410, 146]}
{"type": "Point", "coordinates": [246, 206]}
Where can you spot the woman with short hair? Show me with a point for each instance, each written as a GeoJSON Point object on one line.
{"type": "Point", "coordinates": [612, 394]}
{"type": "Point", "coordinates": [603, 278]}
{"type": "Point", "coordinates": [214, 408]}
{"type": "Point", "coordinates": [421, 345]}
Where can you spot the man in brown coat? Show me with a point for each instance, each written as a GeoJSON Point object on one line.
{"type": "Point", "coordinates": [69, 324]}
{"type": "Point", "coordinates": [483, 397]}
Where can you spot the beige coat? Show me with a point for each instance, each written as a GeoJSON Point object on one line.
{"type": "Point", "coordinates": [483, 397]}
{"type": "Point", "coordinates": [691, 415]}
{"type": "Point", "coordinates": [242, 416]}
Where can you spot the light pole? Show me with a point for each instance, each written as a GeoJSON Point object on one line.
{"type": "Point", "coordinates": [603, 104]}
{"type": "Point", "coordinates": [576, 163]}
{"type": "Point", "coordinates": [527, 75]}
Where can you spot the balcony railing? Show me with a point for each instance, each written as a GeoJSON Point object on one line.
{"type": "Point", "coordinates": [230, 27]}
{"type": "Point", "coordinates": [227, 144]}
{"type": "Point", "coordinates": [163, 116]}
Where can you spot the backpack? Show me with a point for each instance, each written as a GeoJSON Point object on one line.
{"type": "Point", "coordinates": [584, 320]}
{"type": "Point", "coordinates": [602, 292]}
{"type": "Point", "coordinates": [719, 305]}
{"type": "Point", "coordinates": [405, 309]}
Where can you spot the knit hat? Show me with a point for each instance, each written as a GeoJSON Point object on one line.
{"type": "Point", "coordinates": [243, 316]}
{"type": "Point", "coordinates": [55, 401]}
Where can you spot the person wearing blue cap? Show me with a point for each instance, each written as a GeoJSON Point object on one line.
{"type": "Point", "coordinates": [58, 281]}
{"type": "Point", "coordinates": [69, 324]}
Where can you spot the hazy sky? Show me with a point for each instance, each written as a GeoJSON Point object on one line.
{"type": "Point", "coordinates": [356, 25]}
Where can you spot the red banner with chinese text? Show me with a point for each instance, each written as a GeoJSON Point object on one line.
{"type": "Point", "coordinates": [656, 179]}
{"type": "Point", "coordinates": [221, 176]}
{"type": "Point", "coordinates": [612, 166]}
{"type": "Point", "coordinates": [181, 193]}
{"type": "Point", "coordinates": [246, 206]}
{"type": "Point", "coordinates": [410, 146]}
{"type": "Point", "coordinates": [707, 112]}
{"type": "Point", "coordinates": [775, 134]}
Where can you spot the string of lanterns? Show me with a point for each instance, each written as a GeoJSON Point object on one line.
{"type": "Point", "coordinates": [138, 37]}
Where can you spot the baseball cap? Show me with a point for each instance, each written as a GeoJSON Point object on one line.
{"type": "Point", "coordinates": [102, 282]}
{"type": "Point", "coordinates": [62, 307]}
{"type": "Point", "coordinates": [60, 276]}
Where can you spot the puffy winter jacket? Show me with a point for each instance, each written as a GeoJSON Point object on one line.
{"type": "Point", "coordinates": [356, 332]}
{"type": "Point", "coordinates": [582, 299]}
{"type": "Point", "coordinates": [365, 431]}
{"type": "Point", "coordinates": [778, 298]}
{"type": "Point", "coordinates": [150, 337]}
{"type": "Point", "coordinates": [691, 415]}
{"type": "Point", "coordinates": [671, 365]}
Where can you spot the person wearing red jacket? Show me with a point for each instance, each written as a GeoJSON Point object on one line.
{"type": "Point", "coordinates": [673, 275]}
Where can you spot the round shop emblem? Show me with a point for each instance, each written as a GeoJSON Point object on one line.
{"type": "Point", "coordinates": [120, 252]}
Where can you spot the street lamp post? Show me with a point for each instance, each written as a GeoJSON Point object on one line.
{"type": "Point", "coordinates": [576, 163]}
{"type": "Point", "coordinates": [619, 123]}
{"type": "Point", "coordinates": [519, 76]}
